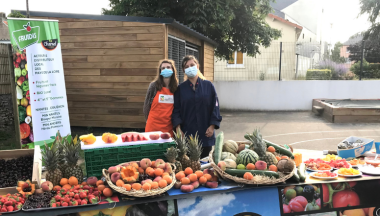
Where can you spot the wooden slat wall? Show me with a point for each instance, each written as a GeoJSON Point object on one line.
{"type": "Point", "coordinates": [208, 61]}
{"type": "Point", "coordinates": [108, 66]}
{"type": "Point", "coordinates": [5, 76]}
{"type": "Point", "coordinates": [179, 34]}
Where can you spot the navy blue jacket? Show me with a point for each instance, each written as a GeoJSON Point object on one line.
{"type": "Point", "coordinates": [196, 110]}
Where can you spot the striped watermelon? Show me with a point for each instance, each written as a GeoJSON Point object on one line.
{"type": "Point", "coordinates": [247, 156]}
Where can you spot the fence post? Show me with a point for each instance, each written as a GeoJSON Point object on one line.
{"type": "Point", "coordinates": [297, 65]}
{"type": "Point", "coordinates": [14, 98]}
{"type": "Point", "coordinates": [279, 72]}
{"type": "Point", "coordinates": [361, 62]}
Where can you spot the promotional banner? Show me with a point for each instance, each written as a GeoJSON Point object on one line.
{"type": "Point", "coordinates": [40, 84]}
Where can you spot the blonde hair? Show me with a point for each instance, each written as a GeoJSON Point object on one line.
{"type": "Point", "coordinates": [188, 58]}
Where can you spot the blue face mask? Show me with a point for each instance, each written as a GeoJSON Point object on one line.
{"type": "Point", "coordinates": [191, 72]}
{"type": "Point", "coordinates": [166, 73]}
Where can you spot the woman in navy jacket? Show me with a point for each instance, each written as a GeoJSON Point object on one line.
{"type": "Point", "coordinates": [196, 105]}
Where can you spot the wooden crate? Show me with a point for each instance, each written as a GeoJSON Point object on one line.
{"type": "Point", "coordinates": [37, 165]}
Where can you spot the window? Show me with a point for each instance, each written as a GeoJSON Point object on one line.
{"type": "Point", "coordinates": [192, 51]}
{"type": "Point", "coordinates": [176, 52]}
{"type": "Point", "coordinates": [237, 59]}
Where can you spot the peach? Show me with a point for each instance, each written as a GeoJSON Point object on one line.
{"type": "Point", "coordinates": [160, 163]}
{"type": "Point", "coordinates": [211, 184]}
{"type": "Point", "coordinates": [177, 185]}
{"type": "Point", "coordinates": [146, 181]}
{"type": "Point", "coordinates": [168, 168]}
{"type": "Point", "coordinates": [47, 186]}
{"type": "Point", "coordinates": [113, 169]}
{"type": "Point", "coordinates": [92, 180]}
{"type": "Point", "coordinates": [157, 179]}
{"type": "Point", "coordinates": [261, 165]}
{"type": "Point", "coordinates": [222, 165]}
{"type": "Point", "coordinates": [145, 163]}
{"type": "Point", "coordinates": [154, 136]}
{"type": "Point", "coordinates": [195, 184]}
{"type": "Point", "coordinates": [187, 188]}
{"type": "Point", "coordinates": [115, 176]}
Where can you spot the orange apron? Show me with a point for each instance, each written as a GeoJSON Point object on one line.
{"type": "Point", "coordinates": [161, 110]}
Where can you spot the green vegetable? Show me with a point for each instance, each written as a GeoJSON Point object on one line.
{"type": "Point", "coordinates": [25, 86]}
{"type": "Point", "coordinates": [312, 206]}
{"type": "Point", "coordinates": [18, 92]}
{"type": "Point", "coordinates": [295, 177]}
{"type": "Point", "coordinates": [301, 172]}
{"type": "Point", "coordinates": [24, 72]}
{"type": "Point", "coordinates": [241, 172]}
{"type": "Point", "coordinates": [17, 72]}
{"type": "Point", "coordinates": [218, 147]}
{"type": "Point", "coordinates": [280, 149]}
{"type": "Point", "coordinates": [21, 113]}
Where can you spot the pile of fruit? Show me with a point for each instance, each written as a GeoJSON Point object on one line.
{"type": "Point", "coordinates": [260, 158]}
{"type": "Point", "coordinates": [14, 170]}
{"type": "Point", "coordinates": [144, 175]}
{"type": "Point", "coordinates": [325, 174]}
{"type": "Point", "coordinates": [330, 157]}
{"type": "Point", "coordinates": [318, 166]}
{"type": "Point", "coordinates": [337, 163]}
{"type": "Point", "coordinates": [89, 139]}
{"type": "Point", "coordinates": [355, 162]}
{"type": "Point", "coordinates": [188, 180]}
{"type": "Point", "coordinates": [301, 198]}
{"type": "Point", "coordinates": [348, 171]}
{"type": "Point", "coordinates": [10, 203]}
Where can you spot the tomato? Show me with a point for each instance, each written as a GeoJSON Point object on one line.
{"type": "Point", "coordinates": [286, 208]}
{"type": "Point", "coordinates": [296, 206]}
{"type": "Point", "coordinates": [345, 198]}
{"type": "Point", "coordinates": [301, 200]}
{"type": "Point", "coordinates": [326, 193]}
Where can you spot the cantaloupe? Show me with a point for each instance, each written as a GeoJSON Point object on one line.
{"type": "Point", "coordinates": [230, 146]}
{"type": "Point", "coordinates": [230, 164]}
{"type": "Point", "coordinates": [228, 155]}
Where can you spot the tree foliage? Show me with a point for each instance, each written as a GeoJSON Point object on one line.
{"type": "Point", "coordinates": [16, 14]}
{"type": "Point", "coordinates": [233, 24]}
{"type": "Point", "coordinates": [371, 51]}
{"type": "Point", "coordinates": [335, 53]}
{"type": "Point", "coordinates": [372, 8]}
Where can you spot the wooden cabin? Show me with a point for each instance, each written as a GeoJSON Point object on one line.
{"type": "Point", "coordinates": [109, 62]}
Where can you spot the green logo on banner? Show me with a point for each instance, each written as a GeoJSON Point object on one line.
{"type": "Point", "coordinates": [27, 36]}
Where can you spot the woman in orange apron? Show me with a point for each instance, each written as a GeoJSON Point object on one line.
{"type": "Point", "coordinates": [159, 100]}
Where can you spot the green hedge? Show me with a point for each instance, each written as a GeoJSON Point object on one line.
{"type": "Point", "coordinates": [318, 74]}
{"type": "Point", "coordinates": [370, 70]}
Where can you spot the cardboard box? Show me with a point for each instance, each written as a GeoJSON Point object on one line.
{"type": "Point", "coordinates": [358, 151]}
{"type": "Point", "coordinates": [37, 165]}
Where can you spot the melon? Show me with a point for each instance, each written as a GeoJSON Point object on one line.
{"type": "Point", "coordinates": [228, 155]}
{"type": "Point", "coordinates": [247, 156]}
{"type": "Point", "coordinates": [230, 164]}
{"type": "Point", "coordinates": [230, 146]}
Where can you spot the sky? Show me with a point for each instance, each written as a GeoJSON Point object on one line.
{"type": "Point", "coordinates": [341, 13]}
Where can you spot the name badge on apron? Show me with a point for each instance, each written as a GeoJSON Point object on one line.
{"type": "Point", "coordinates": [166, 99]}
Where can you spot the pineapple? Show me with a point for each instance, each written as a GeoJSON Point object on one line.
{"type": "Point", "coordinates": [182, 146]}
{"type": "Point", "coordinates": [171, 154]}
{"type": "Point", "coordinates": [259, 146]}
{"type": "Point", "coordinates": [61, 154]}
{"type": "Point", "coordinates": [195, 151]}
{"type": "Point", "coordinates": [72, 150]}
{"type": "Point", "coordinates": [50, 158]}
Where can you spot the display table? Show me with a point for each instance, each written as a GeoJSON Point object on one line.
{"type": "Point", "coordinates": [261, 200]}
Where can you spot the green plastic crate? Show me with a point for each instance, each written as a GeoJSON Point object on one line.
{"type": "Point", "coordinates": [102, 158]}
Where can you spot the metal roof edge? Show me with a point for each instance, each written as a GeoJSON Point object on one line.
{"type": "Point", "coordinates": [192, 32]}
{"type": "Point", "coordinates": [99, 17]}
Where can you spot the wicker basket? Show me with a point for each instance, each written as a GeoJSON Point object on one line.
{"type": "Point", "coordinates": [258, 180]}
{"type": "Point", "coordinates": [140, 193]}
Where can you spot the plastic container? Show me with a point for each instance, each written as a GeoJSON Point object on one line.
{"type": "Point", "coordinates": [377, 146]}
{"type": "Point", "coordinates": [99, 159]}
{"type": "Point", "coordinates": [358, 151]}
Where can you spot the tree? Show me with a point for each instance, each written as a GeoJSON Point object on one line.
{"type": "Point", "coordinates": [372, 8]}
{"type": "Point", "coordinates": [335, 53]}
{"type": "Point", "coordinates": [16, 14]}
{"type": "Point", "coordinates": [236, 25]}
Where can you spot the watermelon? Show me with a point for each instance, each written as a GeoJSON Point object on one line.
{"type": "Point", "coordinates": [142, 137]}
{"type": "Point", "coordinates": [247, 156]}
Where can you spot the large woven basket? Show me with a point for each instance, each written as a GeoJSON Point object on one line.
{"type": "Point", "coordinates": [258, 180]}
{"type": "Point", "coordinates": [140, 193]}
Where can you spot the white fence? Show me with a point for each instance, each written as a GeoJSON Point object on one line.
{"type": "Point", "coordinates": [290, 95]}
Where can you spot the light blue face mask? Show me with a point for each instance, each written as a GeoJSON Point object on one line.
{"type": "Point", "coordinates": [166, 73]}
{"type": "Point", "coordinates": [191, 72]}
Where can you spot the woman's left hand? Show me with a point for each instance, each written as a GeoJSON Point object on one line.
{"type": "Point", "coordinates": [210, 131]}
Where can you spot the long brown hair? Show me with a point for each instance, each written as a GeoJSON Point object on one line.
{"type": "Point", "coordinates": [159, 80]}
{"type": "Point", "coordinates": [188, 58]}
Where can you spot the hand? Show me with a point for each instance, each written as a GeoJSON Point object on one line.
{"type": "Point", "coordinates": [210, 131]}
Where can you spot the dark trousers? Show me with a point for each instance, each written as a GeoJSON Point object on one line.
{"type": "Point", "coordinates": [205, 151]}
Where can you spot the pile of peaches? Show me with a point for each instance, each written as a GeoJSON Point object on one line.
{"type": "Point", "coordinates": [144, 175]}
{"type": "Point", "coordinates": [188, 180]}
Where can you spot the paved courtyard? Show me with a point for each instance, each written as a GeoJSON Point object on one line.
{"type": "Point", "coordinates": [303, 130]}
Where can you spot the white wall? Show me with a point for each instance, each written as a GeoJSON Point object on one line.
{"type": "Point", "coordinates": [290, 95]}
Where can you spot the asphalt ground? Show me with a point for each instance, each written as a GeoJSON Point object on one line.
{"type": "Point", "coordinates": [302, 130]}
